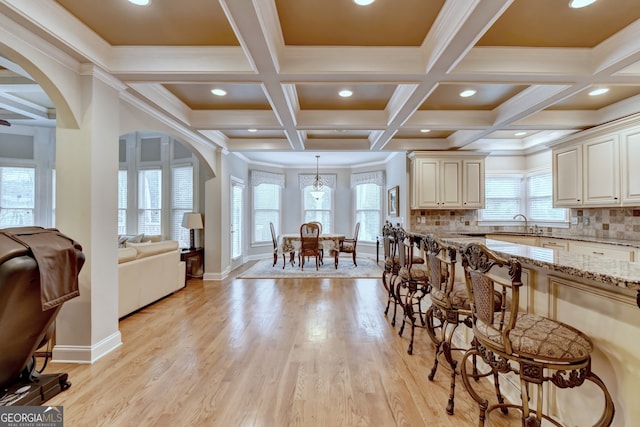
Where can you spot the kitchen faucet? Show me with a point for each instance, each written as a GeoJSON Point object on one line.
{"type": "Point", "coordinates": [526, 221]}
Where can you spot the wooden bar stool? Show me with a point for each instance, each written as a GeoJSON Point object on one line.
{"type": "Point", "coordinates": [537, 349]}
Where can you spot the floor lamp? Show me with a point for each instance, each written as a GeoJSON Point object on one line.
{"type": "Point", "coordinates": [192, 221]}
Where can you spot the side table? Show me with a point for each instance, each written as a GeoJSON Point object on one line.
{"type": "Point", "coordinates": [194, 260]}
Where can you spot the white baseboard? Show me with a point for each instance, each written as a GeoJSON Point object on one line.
{"type": "Point", "coordinates": [217, 276]}
{"type": "Point", "coordinates": [86, 354]}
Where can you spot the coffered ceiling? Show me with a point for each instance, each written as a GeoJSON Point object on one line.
{"type": "Point", "coordinates": [283, 62]}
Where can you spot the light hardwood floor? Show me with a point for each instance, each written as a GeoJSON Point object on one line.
{"type": "Point", "coordinates": [280, 352]}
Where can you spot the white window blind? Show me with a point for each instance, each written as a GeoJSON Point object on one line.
{"type": "Point", "coordinates": [318, 209]}
{"type": "Point", "coordinates": [266, 209]}
{"type": "Point", "coordinates": [181, 202]}
{"type": "Point", "coordinates": [17, 196]}
{"type": "Point", "coordinates": [503, 198]}
{"type": "Point", "coordinates": [150, 201]}
{"type": "Point", "coordinates": [122, 202]}
{"type": "Point", "coordinates": [236, 219]}
{"type": "Point", "coordinates": [540, 200]}
{"type": "Point", "coordinates": [368, 210]}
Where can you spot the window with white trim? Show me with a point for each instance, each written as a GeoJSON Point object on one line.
{"type": "Point", "coordinates": [318, 209]}
{"type": "Point", "coordinates": [367, 191]}
{"type": "Point", "coordinates": [540, 199]}
{"type": "Point", "coordinates": [266, 191]}
{"type": "Point", "coordinates": [122, 201]}
{"type": "Point", "coordinates": [181, 202]}
{"type": "Point", "coordinates": [150, 201]}
{"type": "Point", "coordinates": [503, 197]}
{"type": "Point", "coordinates": [17, 196]}
{"type": "Point", "coordinates": [237, 189]}
{"type": "Point", "coordinates": [368, 210]}
{"type": "Point", "coordinates": [507, 195]}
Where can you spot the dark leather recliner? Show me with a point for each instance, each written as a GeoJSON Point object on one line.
{"type": "Point", "coordinates": [38, 272]}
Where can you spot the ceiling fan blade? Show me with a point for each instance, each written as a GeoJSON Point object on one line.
{"type": "Point", "coordinates": [4, 123]}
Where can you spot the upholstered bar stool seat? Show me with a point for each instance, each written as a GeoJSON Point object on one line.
{"type": "Point", "coordinates": [540, 338]}
{"type": "Point", "coordinates": [417, 272]}
{"type": "Point", "coordinates": [458, 296]}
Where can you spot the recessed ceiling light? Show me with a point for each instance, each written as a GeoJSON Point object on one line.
{"type": "Point", "coordinates": [140, 2]}
{"type": "Point", "coordinates": [467, 93]}
{"type": "Point", "coordinates": [425, 130]}
{"type": "Point", "coordinates": [252, 130]}
{"type": "Point", "coordinates": [600, 91]}
{"type": "Point", "coordinates": [577, 4]}
{"type": "Point", "coordinates": [363, 2]}
{"type": "Point", "coordinates": [219, 92]}
{"type": "Point", "coordinates": [345, 93]}
{"type": "Point", "coordinates": [520, 133]}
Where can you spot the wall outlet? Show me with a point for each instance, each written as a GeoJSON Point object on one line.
{"type": "Point", "coordinates": [585, 220]}
{"type": "Point", "coordinates": [461, 219]}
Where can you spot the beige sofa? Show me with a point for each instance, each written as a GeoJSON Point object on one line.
{"type": "Point", "coordinates": [147, 272]}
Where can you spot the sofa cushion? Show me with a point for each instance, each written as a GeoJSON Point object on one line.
{"type": "Point", "coordinates": [149, 249]}
{"type": "Point", "coordinates": [124, 238]}
{"type": "Point", "coordinates": [126, 254]}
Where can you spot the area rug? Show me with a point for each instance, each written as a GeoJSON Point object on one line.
{"type": "Point", "coordinates": [263, 269]}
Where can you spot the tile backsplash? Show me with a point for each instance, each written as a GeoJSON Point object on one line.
{"type": "Point", "coordinates": [606, 223]}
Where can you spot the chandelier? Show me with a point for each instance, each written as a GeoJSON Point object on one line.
{"type": "Point", "coordinates": [317, 191]}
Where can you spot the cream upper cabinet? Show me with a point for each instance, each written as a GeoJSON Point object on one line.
{"type": "Point", "coordinates": [601, 172]}
{"type": "Point", "coordinates": [567, 176]}
{"type": "Point", "coordinates": [446, 181]}
{"type": "Point", "coordinates": [587, 173]}
{"type": "Point", "coordinates": [436, 183]}
{"type": "Point", "coordinates": [473, 183]}
{"type": "Point", "coordinates": [630, 172]}
{"type": "Point", "coordinates": [599, 169]}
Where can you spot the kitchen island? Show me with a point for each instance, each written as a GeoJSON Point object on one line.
{"type": "Point", "coordinates": [595, 295]}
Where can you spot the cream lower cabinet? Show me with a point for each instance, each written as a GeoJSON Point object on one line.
{"type": "Point", "coordinates": [604, 251]}
{"type": "Point", "coordinates": [446, 181]}
{"type": "Point", "coordinates": [551, 243]}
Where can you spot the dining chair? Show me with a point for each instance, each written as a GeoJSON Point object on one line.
{"type": "Point", "coordinates": [309, 243]}
{"type": "Point", "coordinates": [540, 351]}
{"type": "Point", "coordinates": [321, 248]}
{"type": "Point", "coordinates": [274, 239]}
{"type": "Point", "coordinates": [349, 245]}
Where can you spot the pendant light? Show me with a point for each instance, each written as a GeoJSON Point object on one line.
{"type": "Point", "coordinates": [318, 187]}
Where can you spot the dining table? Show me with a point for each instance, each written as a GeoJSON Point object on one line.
{"type": "Point", "coordinates": [329, 243]}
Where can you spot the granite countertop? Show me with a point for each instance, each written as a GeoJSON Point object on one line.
{"type": "Point", "coordinates": [592, 239]}
{"type": "Point", "coordinates": [623, 274]}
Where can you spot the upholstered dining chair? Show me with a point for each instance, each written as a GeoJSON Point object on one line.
{"type": "Point", "coordinates": [274, 239]}
{"type": "Point", "coordinates": [541, 351]}
{"type": "Point", "coordinates": [349, 245]}
{"type": "Point", "coordinates": [321, 248]}
{"type": "Point", "coordinates": [309, 243]}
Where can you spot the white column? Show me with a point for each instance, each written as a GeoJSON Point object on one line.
{"type": "Point", "coordinates": [86, 210]}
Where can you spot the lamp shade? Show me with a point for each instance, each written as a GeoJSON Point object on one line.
{"type": "Point", "coordinates": [192, 220]}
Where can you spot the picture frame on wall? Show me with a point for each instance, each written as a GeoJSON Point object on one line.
{"type": "Point", "coordinates": [393, 199]}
